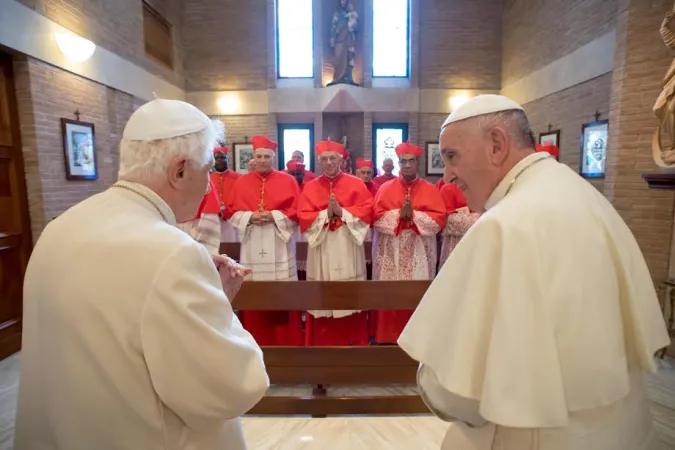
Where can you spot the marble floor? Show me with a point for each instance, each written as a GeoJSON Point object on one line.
{"type": "Point", "coordinates": [354, 433]}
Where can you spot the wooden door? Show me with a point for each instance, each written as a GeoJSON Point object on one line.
{"type": "Point", "coordinates": [15, 235]}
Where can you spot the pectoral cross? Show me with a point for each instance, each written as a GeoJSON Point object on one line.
{"type": "Point", "coordinates": [262, 254]}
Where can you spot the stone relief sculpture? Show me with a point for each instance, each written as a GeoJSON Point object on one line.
{"type": "Point", "coordinates": [344, 27]}
{"type": "Point", "coordinates": [664, 108]}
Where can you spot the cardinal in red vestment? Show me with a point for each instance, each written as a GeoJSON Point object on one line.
{"type": "Point", "coordinates": [387, 168]}
{"type": "Point", "coordinates": [408, 214]}
{"type": "Point", "coordinates": [365, 170]}
{"type": "Point", "coordinates": [223, 179]}
{"type": "Point", "coordinates": [460, 219]}
{"type": "Point", "coordinates": [335, 213]}
{"type": "Point", "coordinates": [299, 158]}
{"type": "Point", "coordinates": [550, 148]}
{"type": "Point", "coordinates": [297, 171]}
{"type": "Point", "coordinates": [263, 207]}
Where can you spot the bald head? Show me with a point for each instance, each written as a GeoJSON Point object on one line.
{"type": "Point", "coordinates": [388, 166]}
{"type": "Point", "coordinates": [479, 151]}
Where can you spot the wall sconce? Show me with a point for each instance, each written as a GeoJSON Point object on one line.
{"type": "Point", "coordinates": [458, 100]}
{"type": "Point", "coordinates": [228, 104]}
{"type": "Point", "coordinates": [74, 48]}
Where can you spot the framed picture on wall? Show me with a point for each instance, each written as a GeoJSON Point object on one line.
{"type": "Point", "coordinates": [435, 165]}
{"type": "Point", "coordinates": [79, 148]}
{"type": "Point", "coordinates": [550, 136]}
{"type": "Point", "coordinates": [243, 153]}
{"type": "Point", "coordinates": [594, 137]}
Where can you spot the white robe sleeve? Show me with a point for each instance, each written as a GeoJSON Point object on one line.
{"type": "Point", "coordinates": [358, 229]}
{"type": "Point", "coordinates": [388, 222]}
{"type": "Point", "coordinates": [458, 224]}
{"type": "Point", "coordinates": [203, 365]}
{"type": "Point", "coordinates": [284, 227]}
{"type": "Point", "coordinates": [444, 404]}
{"type": "Point", "coordinates": [317, 233]}
{"type": "Point", "coordinates": [240, 220]}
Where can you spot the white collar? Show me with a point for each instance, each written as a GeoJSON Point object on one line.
{"type": "Point", "coordinates": [505, 185]}
{"type": "Point", "coordinates": [151, 197]}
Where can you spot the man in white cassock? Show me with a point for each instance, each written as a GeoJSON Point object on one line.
{"type": "Point", "coordinates": [539, 328]}
{"type": "Point", "coordinates": [129, 339]}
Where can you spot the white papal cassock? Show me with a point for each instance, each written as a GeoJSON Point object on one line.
{"type": "Point", "coordinates": [538, 328]}
{"type": "Point", "coordinates": [128, 339]}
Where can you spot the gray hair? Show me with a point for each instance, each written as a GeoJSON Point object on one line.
{"type": "Point", "coordinates": [146, 160]}
{"type": "Point", "coordinates": [515, 122]}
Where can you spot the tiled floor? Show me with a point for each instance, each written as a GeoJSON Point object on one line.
{"type": "Point", "coordinates": [353, 433]}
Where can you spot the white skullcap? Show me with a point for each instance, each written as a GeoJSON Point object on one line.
{"type": "Point", "coordinates": [481, 105]}
{"type": "Point", "coordinates": [164, 119]}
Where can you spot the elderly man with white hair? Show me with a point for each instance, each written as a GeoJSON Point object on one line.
{"type": "Point", "coordinates": [538, 329]}
{"type": "Point", "coordinates": [129, 339]}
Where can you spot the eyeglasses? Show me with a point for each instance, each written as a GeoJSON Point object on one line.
{"type": "Point", "coordinates": [407, 161]}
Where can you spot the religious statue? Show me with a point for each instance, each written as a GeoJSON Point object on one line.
{"type": "Point", "coordinates": [664, 108]}
{"type": "Point", "coordinates": [344, 26]}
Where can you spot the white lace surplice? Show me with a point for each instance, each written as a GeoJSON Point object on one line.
{"type": "Point", "coordinates": [408, 256]}
{"type": "Point", "coordinates": [336, 255]}
{"type": "Point", "coordinates": [204, 230]}
{"type": "Point", "coordinates": [456, 226]}
{"type": "Point", "coordinates": [267, 249]}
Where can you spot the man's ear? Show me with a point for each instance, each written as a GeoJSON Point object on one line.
{"type": "Point", "coordinates": [176, 170]}
{"type": "Point", "coordinates": [500, 141]}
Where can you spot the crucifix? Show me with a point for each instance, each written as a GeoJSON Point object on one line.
{"type": "Point", "coordinates": [77, 114]}
{"type": "Point", "coordinates": [550, 127]}
{"type": "Point", "coordinates": [597, 115]}
{"type": "Point", "coordinates": [262, 254]}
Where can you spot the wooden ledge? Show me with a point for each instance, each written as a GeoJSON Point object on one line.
{"type": "Point", "coordinates": [660, 179]}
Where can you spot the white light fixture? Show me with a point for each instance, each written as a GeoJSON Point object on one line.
{"type": "Point", "coordinates": [458, 100]}
{"type": "Point", "coordinates": [228, 104]}
{"type": "Point", "coordinates": [74, 48]}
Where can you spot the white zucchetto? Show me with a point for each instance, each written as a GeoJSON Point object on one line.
{"type": "Point", "coordinates": [165, 119]}
{"type": "Point", "coordinates": [481, 105]}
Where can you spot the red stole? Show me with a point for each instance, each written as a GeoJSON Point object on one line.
{"type": "Point", "coordinates": [270, 191]}
{"type": "Point", "coordinates": [350, 192]}
{"type": "Point", "coordinates": [424, 197]}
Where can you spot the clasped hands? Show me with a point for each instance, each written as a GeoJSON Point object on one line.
{"type": "Point", "coordinates": [231, 274]}
{"type": "Point", "coordinates": [334, 208]}
{"type": "Point", "coordinates": [406, 211]}
{"type": "Point", "coordinates": [261, 218]}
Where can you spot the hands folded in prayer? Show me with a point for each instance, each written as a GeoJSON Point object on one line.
{"type": "Point", "coordinates": [261, 218]}
{"type": "Point", "coordinates": [231, 274]}
{"type": "Point", "coordinates": [406, 211]}
{"type": "Point", "coordinates": [334, 208]}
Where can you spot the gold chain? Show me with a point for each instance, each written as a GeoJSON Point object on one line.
{"type": "Point", "coordinates": [521, 172]}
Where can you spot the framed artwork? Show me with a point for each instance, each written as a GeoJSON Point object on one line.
{"type": "Point", "coordinates": [243, 153]}
{"type": "Point", "coordinates": [79, 148]}
{"type": "Point", "coordinates": [435, 165]}
{"type": "Point", "coordinates": [550, 136]}
{"type": "Point", "coordinates": [594, 137]}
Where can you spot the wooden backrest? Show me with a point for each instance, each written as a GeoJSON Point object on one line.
{"type": "Point", "coordinates": [329, 295]}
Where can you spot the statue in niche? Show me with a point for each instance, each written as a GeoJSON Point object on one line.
{"type": "Point", "coordinates": [664, 108]}
{"type": "Point", "coordinates": [344, 27]}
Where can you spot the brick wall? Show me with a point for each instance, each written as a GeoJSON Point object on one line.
{"type": "Point", "coordinates": [538, 32]}
{"type": "Point", "coordinates": [460, 43]}
{"type": "Point", "coordinates": [46, 94]}
{"type": "Point", "coordinates": [566, 111]}
{"type": "Point", "coordinates": [225, 44]}
{"type": "Point", "coordinates": [641, 61]}
{"type": "Point", "coordinates": [117, 26]}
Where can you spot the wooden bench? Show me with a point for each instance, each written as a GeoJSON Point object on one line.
{"type": "Point", "coordinates": [331, 366]}
{"type": "Point", "coordinates": [232, 249]}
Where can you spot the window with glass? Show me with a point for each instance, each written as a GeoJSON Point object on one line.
{"type": "Point", "coordinates": [385, 139]}
{"type": "Point", "coordinates": [391, 38]}
{"type": "Point", "coordinates": [296, 138]}
{"type": "Point", "coordinates": [295, 44]}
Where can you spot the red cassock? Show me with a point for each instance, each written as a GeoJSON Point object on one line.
{"type": "Point", "coordinates": [280, 193]}
{"type": "Point", "coordinates": [309, 176]}
{"type": "Point", "coordinates": [382, 179]}
{"type": "Point", "coordinates": [425, 198]}
{"type": "Point", "coordinates": [210, 203]}
{"type": "Point", "coordinates": [224, 184]}
{"type": "Point", "coordinates": [372, 188]}
{"type": "Point", "coordinates": [352, 196]}
{"type": "Point", "coordinates": [440, 183]}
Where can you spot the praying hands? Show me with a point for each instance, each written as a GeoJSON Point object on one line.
{"type": "Point", "coordinates": [261, 218]}
{"type": "Point", "coordinates": [406, 211]}
{"type": "Point", "coordinates": [334, 208]}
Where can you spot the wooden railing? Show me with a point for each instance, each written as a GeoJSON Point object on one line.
{"type": "Point", "coordinates": [324, 367]}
